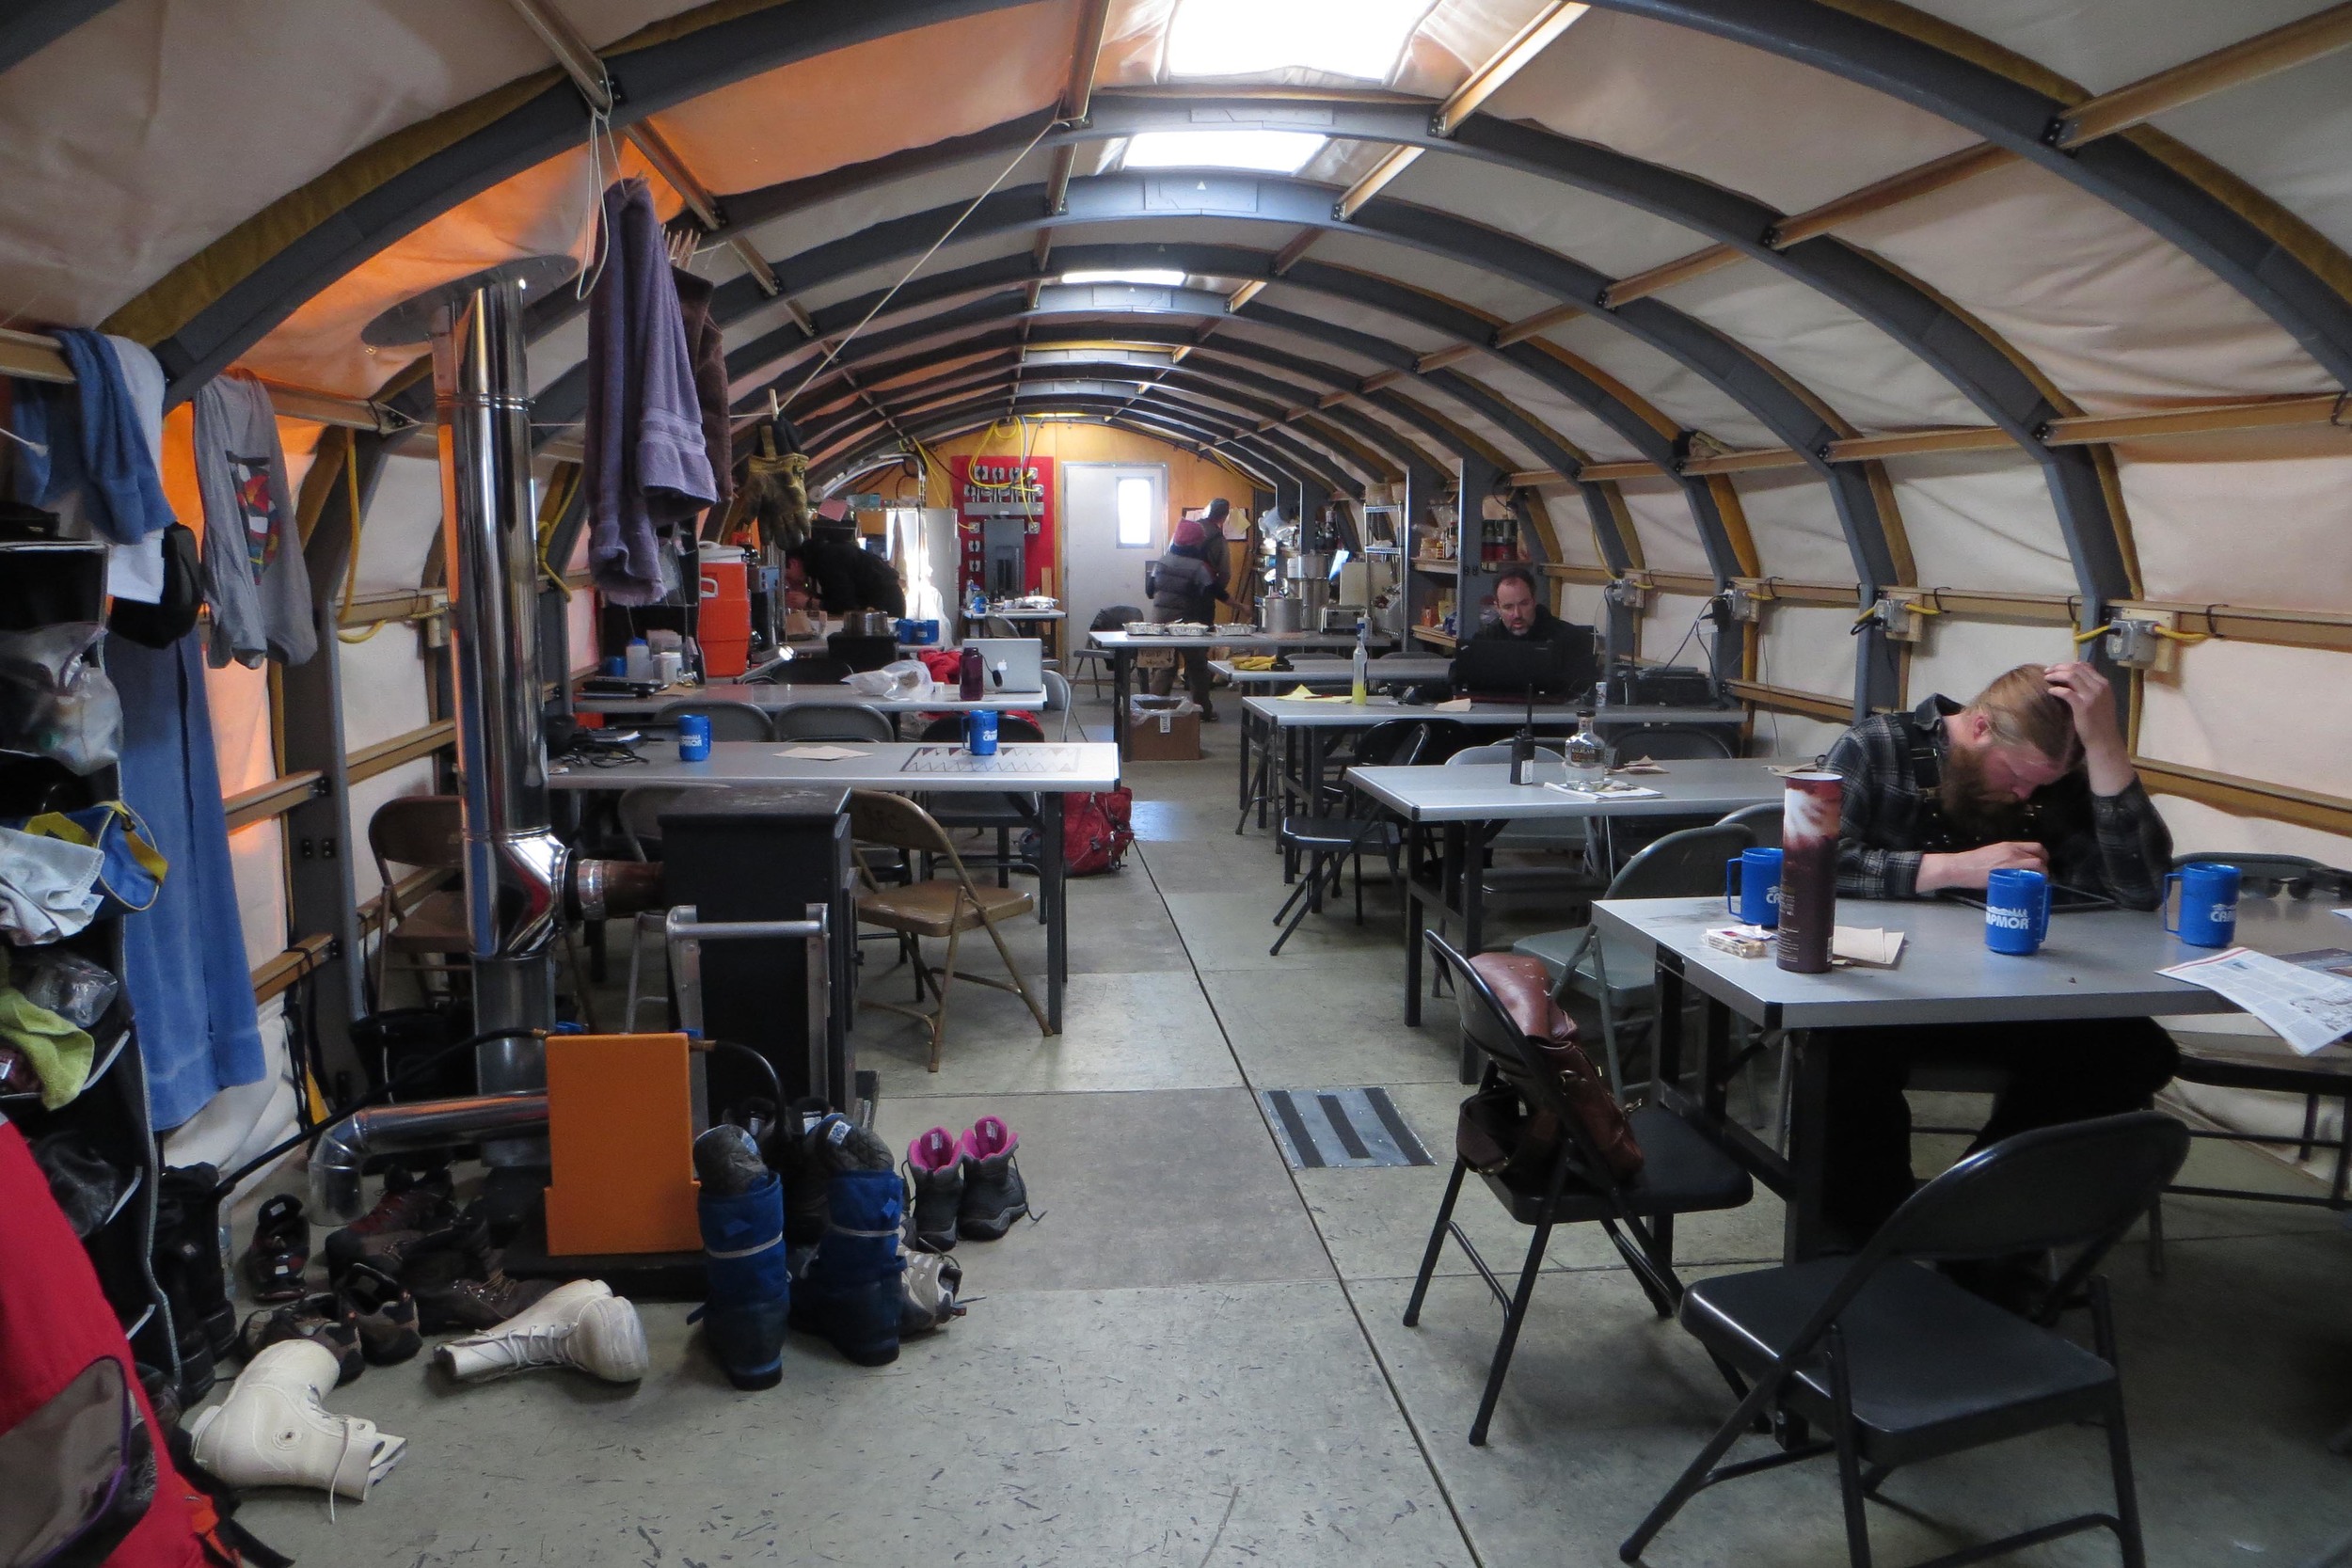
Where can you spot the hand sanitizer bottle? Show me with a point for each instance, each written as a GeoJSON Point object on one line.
{"type": "Point", "coordinates": [1360, 666]}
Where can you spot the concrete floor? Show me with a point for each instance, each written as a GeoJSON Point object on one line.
{"type": "Point", "coordinates": [1193, 1356]}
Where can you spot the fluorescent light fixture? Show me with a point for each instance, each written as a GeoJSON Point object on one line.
{"type": "Point", "coordinates": [1147, 277]}
{"type": "Point", "coordinates": [1248, 38]}
{"type": "Point", "coordinates": [1268, 151]}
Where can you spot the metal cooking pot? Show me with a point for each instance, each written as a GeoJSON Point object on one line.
{"type": "Point", "coordinates": [1279, 613]}
{"type": "Point", "coordinates": [869, 622]}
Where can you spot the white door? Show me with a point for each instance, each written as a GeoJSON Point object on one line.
{"type": "Point", "coordinates": [1115, 515]}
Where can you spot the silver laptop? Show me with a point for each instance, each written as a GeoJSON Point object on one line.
{"type": "Point", "coordinates": [1011, 663]}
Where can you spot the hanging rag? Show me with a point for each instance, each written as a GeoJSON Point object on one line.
{"type": "Point", "coordinates": [48, 887]}
{"type": "Point", "coordinates": [644, 460]}
{"type": "Point", "coordinates": [60, 1053]}
{"type": "Point", "coordinates": [99, 439]}
{"type": "Point", "coordinates": [185, 964]}
{"type": "Point", "coordinates": [254, 576]}
{"type": "Point", "coordinates": [138, 571]}
{"type": "Point", "coordinates": [710, 353]}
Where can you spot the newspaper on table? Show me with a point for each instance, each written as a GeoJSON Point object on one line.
{"type": "Point", "coordinates": [2306, 1001]}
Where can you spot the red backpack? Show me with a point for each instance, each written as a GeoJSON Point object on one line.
{"type": "Point", "coordinates": [1096, 831]}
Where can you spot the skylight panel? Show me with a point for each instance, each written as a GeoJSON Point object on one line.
{"type": "Point", "coordinates": [1248, 38]}
{"type": "Point", "coordinates": [1266, 151]}
{"type": "Point", "coordinates": [1147, 276]}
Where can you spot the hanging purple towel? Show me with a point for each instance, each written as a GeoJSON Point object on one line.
{"type": "Point", "coordinates": [645, 461]}
{"type": "Point", "coordinates": [185, 970]}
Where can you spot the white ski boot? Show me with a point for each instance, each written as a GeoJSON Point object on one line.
{"type": "Point", "coordinates": [273, 1430]}
{"type": "Point", "coordinates": [580, 1324]}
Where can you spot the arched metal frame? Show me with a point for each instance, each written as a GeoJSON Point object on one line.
{"type": "Point", "coordinates": [1972, 84]}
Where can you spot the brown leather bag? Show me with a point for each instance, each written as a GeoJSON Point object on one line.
{"type": "Point", "coordinates": [1523, 986]}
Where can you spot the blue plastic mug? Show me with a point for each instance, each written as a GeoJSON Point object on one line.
{"type": "Point", "coordinates": [2208, 911]}
{"type": "Point", "coordinates": [980, 732]}
{"type": "Point", "coordinates": [1752, 887]}
{"type": "Point", "coordinates": [693, 737]}
{"type": "Point", "coordinates": [616, 667]}
{"type": "Point", "coordinates": [2016, 911]}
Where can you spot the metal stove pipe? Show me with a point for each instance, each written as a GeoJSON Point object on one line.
{"type": "Point", "coordinates": [514, 866]}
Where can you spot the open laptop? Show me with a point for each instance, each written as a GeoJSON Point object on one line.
{"type": "Point", "coordinates": [1022, 659]}
{"type": "Point", "coordinates": [1495, 670]}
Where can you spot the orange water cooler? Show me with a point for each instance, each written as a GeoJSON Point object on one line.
{"type": "Point", "coordinates": [726, 622]}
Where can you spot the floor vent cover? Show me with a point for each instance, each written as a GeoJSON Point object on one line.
{"type": "Point", "coordinates": [1319, 1129]}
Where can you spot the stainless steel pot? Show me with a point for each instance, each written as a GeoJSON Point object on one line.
{"type": "Point", "coordinates": [1281, 613]}
{"type": "Point", "coordinates": [869, 622]}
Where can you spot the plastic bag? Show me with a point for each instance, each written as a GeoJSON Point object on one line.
{"type": "Point", "coordinates": [56, 702]}
{"type": "Point", "coordinates": [902, 678]}
{"type": "Point", "coordinates": [73, 988]}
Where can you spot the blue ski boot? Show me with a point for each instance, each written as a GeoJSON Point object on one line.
{"type": "Point", "coordinates": [749, 1289]}
{"type": "Point", "coordinates": [851, 1293]}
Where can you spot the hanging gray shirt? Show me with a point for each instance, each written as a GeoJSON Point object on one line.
{"type": "Point", "coordinates": [255, 581]}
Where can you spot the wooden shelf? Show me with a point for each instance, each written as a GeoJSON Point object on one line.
{"type": "Point", "coordinates": [1431, 634]}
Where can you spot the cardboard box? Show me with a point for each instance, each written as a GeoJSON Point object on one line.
{"type": "Point", "coordinates": [1163, 729]}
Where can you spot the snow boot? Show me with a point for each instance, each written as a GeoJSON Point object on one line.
{"type": "Point", "coordinates": [273, 1430]}
{"type": "Point", "coordinates": [851, 1293]}
{"type": "Point", "coordinates": [749, 1287]}
{"type": "Point", "coordinates": [994, 1193]}
{"type": "Point", "coordinates": [935, 1170]}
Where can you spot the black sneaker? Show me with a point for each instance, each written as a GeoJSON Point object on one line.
{"type": "Point", "coordinates": [322, 1318]}
{"type": "Point", "coordinates": [935, 1170]}
{"type": "Point", "coordinates": [994, 1193]}
{"type": "Point", "coordinates": [383, 1312]}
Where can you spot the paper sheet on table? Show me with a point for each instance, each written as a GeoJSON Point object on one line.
{"type": "Point", "coordinates": [1452, 704]}
{"type": "Point", "coordinates": [1866, 944]}
{"type": "Point", "coordinates": [1607, 792]}
{"type": "Point", "coordinates": [1640, 764]}
{"type": "Point", "coordinates": [1300, 694]}
{"type": "Point", "coordinates": [2308, 1009]}
{"type": "Point", "coordinates": [823, 753]}
{"type": "Point", "coordinates": [2347, 914]}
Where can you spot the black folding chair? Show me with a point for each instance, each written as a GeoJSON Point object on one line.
{"type": "Point", "coordinates": [1329, 842]}
{"type": "Point", "coordinates": [1682, 1173]}
{"type": "Point", "coordinates": [1901, 1365]}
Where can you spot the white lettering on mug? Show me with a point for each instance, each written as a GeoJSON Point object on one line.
{"type": "Point", "coordinates": [2009, 920]}
{"type": "Point", "coordinates": [2223, 914]}
{"type": "Point", "coordinates": [1771, 895]}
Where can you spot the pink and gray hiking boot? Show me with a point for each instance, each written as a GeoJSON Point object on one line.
{"type": "Point", "coordinates": [994, 1193]}
{"type": "Point", "coordinates": [935, 1166]}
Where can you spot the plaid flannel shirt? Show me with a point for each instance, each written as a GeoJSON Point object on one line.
{"type": "Point", "coordinates": [2114, 845]}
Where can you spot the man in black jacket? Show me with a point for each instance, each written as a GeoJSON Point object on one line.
{"type": "Point", "coordinates": [843, 576]}
{"type": "Point", "coordinates": [2032, 774]}
{"type": "Point", "coordinates": [1521, 617]}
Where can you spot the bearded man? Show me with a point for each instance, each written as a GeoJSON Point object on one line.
{"type": "Point", "coordinates": [2034, 773]}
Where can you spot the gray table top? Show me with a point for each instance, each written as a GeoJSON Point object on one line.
{"type": "Point", "coordinates": [2099, 963]}
{"type": "Point", "coordinates": [1070, 767]}
{"type": "Point", "coordinates": [771, 698]}
{"type": "Point", "coordinates": [1322, 671]}
{"type": "Point", "coordinates": [1299, 712]}
{"type": "Point", "coordinates": [1017, 615]}
{"type": "Point", "coordinates": [1482, 791]}
{"type": "Point", "coordinates": [1234, 635]}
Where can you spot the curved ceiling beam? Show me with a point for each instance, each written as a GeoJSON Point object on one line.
{"type": "Point", "coordinates": [336, 235]}
{"type": "Point", "coordinates": [1210, 424]}
{"type": "Point", "coordinates": [1649, 432]}
{"type": "Point", "coordinates": [32, 25]}
{"type": "Point", "coordinates": [2024, 119]}
{"type": "Point", "coordinates": [1993, 376]}
{"type": "Point", "coordinates": [1007, 375]}
{"type": "Point", "coordinates": [941, 333]}
{"type": "Point", "coordinates": [1165, 424]}
{"type": "Point", "coordinates": [1257, 466]}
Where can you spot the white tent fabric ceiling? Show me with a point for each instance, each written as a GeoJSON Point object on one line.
{"type": "Point", "coordinates": [166, 151]}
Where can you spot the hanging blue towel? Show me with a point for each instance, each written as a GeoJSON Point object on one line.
{"type": "Point", "coordinates": [97, 441]}
{"type": "Point", "coordinates": [191, 993]}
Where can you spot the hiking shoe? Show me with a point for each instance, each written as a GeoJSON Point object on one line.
{"type": "Point", "coordinates": [447, 1300]}
{"type": "Point", "coordinates": [410, 1203]}
{"type": "Point", "coordinates": [383, 1313]}
{"type": "Point", "coordinates": [581, 1326]}
{"type": "Point", "coordinates": [994, 1193]}
{"type": "Point", "coordinates": [935, 1170]}
{"type": "Point", "coordinates": [279, 1251]}
{"type": "Point", "coordinates": [320, 1319]}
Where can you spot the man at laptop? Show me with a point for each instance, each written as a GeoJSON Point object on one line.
{"type": "Point", "coordinates": [2034, 773]}
{"type": "Point", "coordinates": [1520, 617]}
